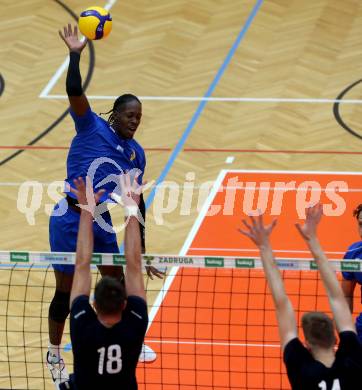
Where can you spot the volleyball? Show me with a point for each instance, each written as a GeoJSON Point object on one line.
{"type": "Point", "coordinates": [95, 23]}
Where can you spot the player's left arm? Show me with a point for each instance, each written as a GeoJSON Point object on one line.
{"type": "Point", "coordinates": [87, 202]}
{"type": "Point", "coordinates": [259, 234]}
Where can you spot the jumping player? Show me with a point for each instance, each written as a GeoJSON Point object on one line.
{"type": "Point", "coordinates": [107, 147]}
{"type": "Point", "coordinates": [107, 342]}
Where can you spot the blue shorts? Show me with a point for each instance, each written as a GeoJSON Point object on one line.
{"type": "Point", "coordinates": [63, 232]}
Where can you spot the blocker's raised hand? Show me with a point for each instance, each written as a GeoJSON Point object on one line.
{"type": "Point", "coordinates": [70, 37]}
{"type": "Point", "coordinates": [257, 231]}
{"type": "Point", "coordinates": [313, 217]}
{"type": "Point", "coordinates": [85, 195]}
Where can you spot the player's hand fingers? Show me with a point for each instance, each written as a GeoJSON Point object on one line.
{"type": "Point", "coordinates": [149, 274]}
{"type": "Point", "coordinates": [247, 234]}
{"type": "Point", "coordinates": [253, 221]}
{"type": "Point", "coordinates": [300, 230]}
{"type": "Point", "coordinates": [157, 272]}
{"type": "Point", "coordinates": [76, 182]}
{"type": "Point", "coordinates": [99, 194]}
{"type": "Point", "coordinates": [260, 219]}
{"type": "Point", "coordinates": [73, 191]}
{"type": "Point", "coordinates": [247, 225]}
{"type": "Point", "coordinates": [61, 35]}
{"type": "Point", "coordinates": [272, 225]}
{"type": "Point", "coordinates": [117, 198]}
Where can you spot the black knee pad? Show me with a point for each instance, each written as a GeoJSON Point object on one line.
{"type": "Point", "coordinates": [59, 306]}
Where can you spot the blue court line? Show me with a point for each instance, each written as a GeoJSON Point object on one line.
{"type": "Point", "coordinates": [201, 106]}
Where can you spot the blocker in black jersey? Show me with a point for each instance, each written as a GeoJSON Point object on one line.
{"type": "Point", "coordinates": [107, 341]}
{"type": "Point", "coordinates": [307, 373]}
{"type": "Point", "coordinates": [106, 358]}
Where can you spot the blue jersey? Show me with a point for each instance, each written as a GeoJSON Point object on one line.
{"type": "Point", "coordinates": [354, 253]}
{"type": "Point", "coordinates": [99, 152]}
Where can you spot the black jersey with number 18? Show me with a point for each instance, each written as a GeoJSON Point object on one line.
{"type": "Point", "coordinates": [306, 373]}
{"type": "Point", "coordinates": [106, 358]}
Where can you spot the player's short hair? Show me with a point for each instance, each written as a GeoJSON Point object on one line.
{"type": "Point", "coordinates": [109, 295]}
{"type": "Point", "coordinates": [357, 211]}
{"type": "Point", "coordinates": [318, 329]}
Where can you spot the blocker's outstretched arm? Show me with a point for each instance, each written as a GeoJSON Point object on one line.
{"type": "Point", "coordinates": [87, 202]}
{"type": "Point", "coordinates": [340, 309]}
{"type": "Point", "coordinates": [259, 234]}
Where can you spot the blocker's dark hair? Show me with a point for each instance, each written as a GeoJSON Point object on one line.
{"type": "Point", "coordinates": [318, 329]}
{"type": "Point", "coordinates": [357, 211]}
{"type": "Point", "coordinates": [118, 103]}
{"type": "Point", "coordinates": [109, 295]}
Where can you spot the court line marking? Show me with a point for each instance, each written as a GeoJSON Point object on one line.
{"type": "Point", "coordinates": [68, 347]}
{"type": "Point", "coordinates": [293, 172]}
{"type": "Point", "coordinates": [229, 160]}
{"type": "Point", "coordinates": [212, 343]}
{"type": "Point", "coordinates": [45, 92]}
{"type": "Point", "coordinates": [205, 207]}
{"type": "Point", "coordinates": [257, 250]}
{"type": "Point", "coordinates": [217, 99]}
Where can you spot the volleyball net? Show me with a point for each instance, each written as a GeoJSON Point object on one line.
{"type": "Point", "coordinates": [212, 319]}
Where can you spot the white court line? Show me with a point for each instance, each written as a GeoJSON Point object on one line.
{"type": "Point", "coordinates": [251, 345]}
{"type": "Point", "coordinates": [293, 172]}
{"type": "Point", "coordinates": [45, 92]}
{"type": "Point", "coordinates": [203, 212]}
{"type": "Point", "coordinates": [169, 278]}
{"type": "Point", "coordinates": [257, 250]}
{"type": "Point", "coordinates": [218, 99]}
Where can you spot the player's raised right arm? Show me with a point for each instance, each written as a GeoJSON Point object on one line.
{"type": "Point", "coordinates": [77, 99]}
{"type": "Point", "coordinates": [259, 234]}
{"type": "Point", "coordinates": [130, 198]}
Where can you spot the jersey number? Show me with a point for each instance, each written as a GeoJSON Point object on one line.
{"type": "Point", "coordinates": [336, 385]}
{"type": "Point", "coordinates": [114, 359]}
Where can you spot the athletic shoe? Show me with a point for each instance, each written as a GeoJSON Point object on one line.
{"type": "Point", "coordinates": [57, 369]}
{"type": "Point", "coordinates": [147, 354]}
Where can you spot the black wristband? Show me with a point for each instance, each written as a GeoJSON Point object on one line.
{"type": "Point", "coordinates": [74, 79]}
